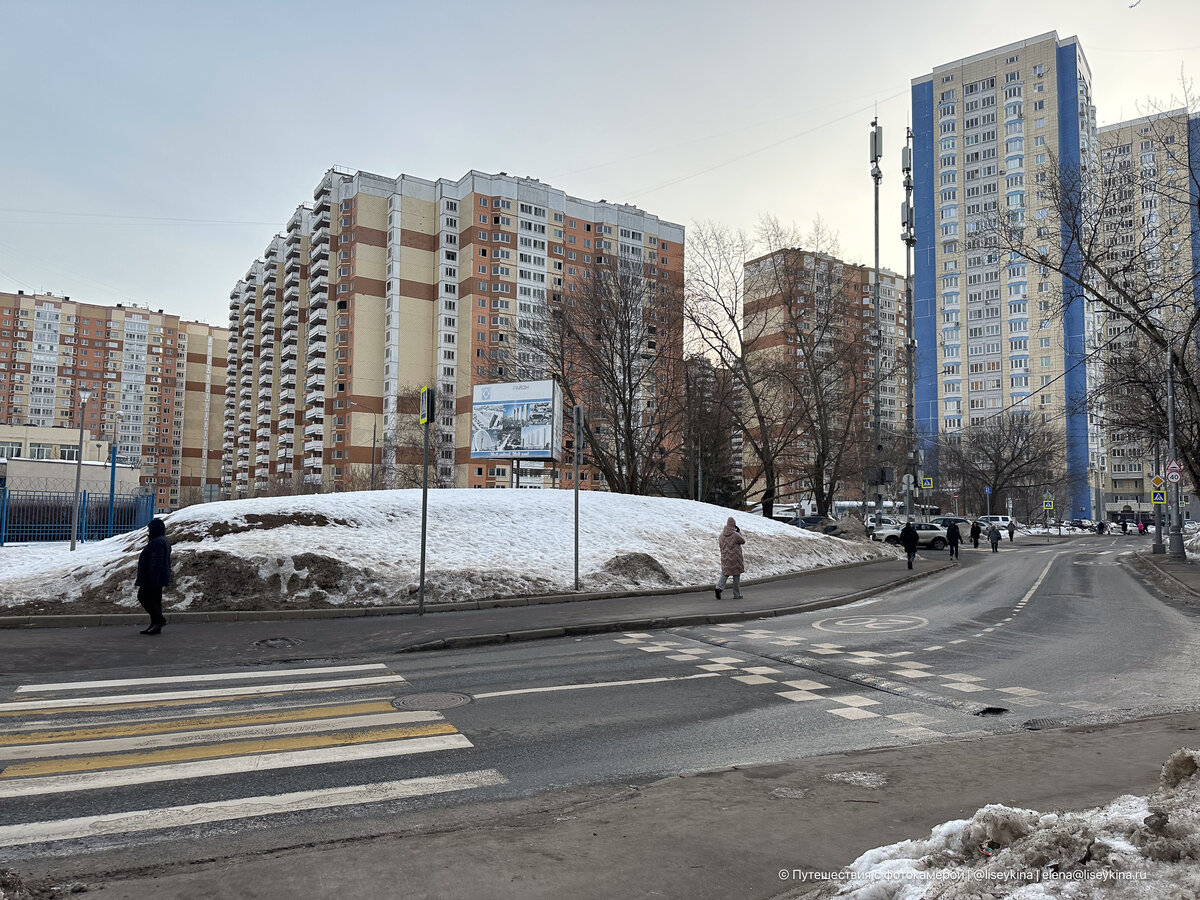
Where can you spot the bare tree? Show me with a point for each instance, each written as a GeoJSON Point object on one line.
{"type": "Point", "coordinates": [613, 342]}
{"type": "Point", "coordinates": [1014, 455]}
{"type": "Point", "coordinates": [704, 467]}
{"type": "Point", "coordinates": [1117, 230]}
{"type": "Point", "coordinates": [785, 316]}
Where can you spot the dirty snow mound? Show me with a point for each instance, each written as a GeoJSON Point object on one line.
{"type": "Point", "coordinates": [363, 549]}
{"type": "Point", "coordinates": [1135, 847]}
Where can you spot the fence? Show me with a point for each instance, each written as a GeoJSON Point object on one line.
{"type": "Point", "coordinates": [29, 516]}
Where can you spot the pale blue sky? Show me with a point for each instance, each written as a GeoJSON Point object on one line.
{"type": "Point", "coordinates": [230, 112]}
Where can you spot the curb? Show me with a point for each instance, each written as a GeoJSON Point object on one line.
{"type": "Point", "coordinates": [90, 620]}
{"type": "Point", "coordinates": [660, 622]}
{"type": "Point", "coordinates": [1146, 566]}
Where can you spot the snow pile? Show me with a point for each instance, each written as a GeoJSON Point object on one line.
{"type": "Point", "coordinates": [1135, 847]}
{"type": "Point", "coordinates": [364, 549]}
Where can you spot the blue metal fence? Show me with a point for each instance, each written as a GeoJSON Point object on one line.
{"type": "Point", "coordinates": [28, 516]}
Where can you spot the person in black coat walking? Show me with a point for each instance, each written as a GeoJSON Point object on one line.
{"type": "Point", "coordinates": [953, 538]}
{"type": "Point", "coordinates": [976, 531]}
{"type": "Point", "coordinates": [154, 574]}
{"type": "Point", "coordinates": [909, 538]}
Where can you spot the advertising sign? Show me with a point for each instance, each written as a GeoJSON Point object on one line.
{"type": "Point", "coordinates": [517, 420]}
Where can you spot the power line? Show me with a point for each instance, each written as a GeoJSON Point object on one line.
{"type": "Point", "coordinates": [111, 218]}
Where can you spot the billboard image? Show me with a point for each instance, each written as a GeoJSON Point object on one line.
{"type": "Point", "coordinates": [517, 420]}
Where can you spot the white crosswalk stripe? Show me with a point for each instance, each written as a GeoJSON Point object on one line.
{"type": "Point", "coordinates": [120, 734]}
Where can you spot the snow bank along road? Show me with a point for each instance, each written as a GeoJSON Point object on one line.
{"type": "Point", "coordinates": [236, 758]}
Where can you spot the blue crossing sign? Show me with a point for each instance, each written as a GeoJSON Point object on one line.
{"type": "Point", "coordinates": [1047, 504]}
{"type": "Point", "coordinates": [1158, 498]}
{"type": "Point", "coordinates": [926, 484]}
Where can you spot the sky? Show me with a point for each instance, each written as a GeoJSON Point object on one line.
{"type": "Point", "coordinates": [150, 150]}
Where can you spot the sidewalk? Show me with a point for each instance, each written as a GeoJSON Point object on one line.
{"type": "Point", "coordinates": [711, 836]}
{"type": "Point", "coordinates": [1179, 577]}
{"type": "Point", "coordinates": [366, 630]}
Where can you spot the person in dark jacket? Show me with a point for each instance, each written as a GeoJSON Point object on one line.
{"type": "Point", "coordinates": [976, 531]}
{"type": "Point", "coordinates": [953, 538]}
{"type": "Point", "coordinates": [154, 574]}
{"type": "Point", "coordinates": [908, 537]}
{"type": "Point", "coordinates": [1012, 529]}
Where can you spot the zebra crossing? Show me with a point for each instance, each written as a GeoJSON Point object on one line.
{"type": "Point", "coordinates": [76, 737]}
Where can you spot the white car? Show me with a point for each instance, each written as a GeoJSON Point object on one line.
{"type": "Point", "coordinates": [931, 536]}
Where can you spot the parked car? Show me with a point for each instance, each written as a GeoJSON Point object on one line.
{"type": "Point", "coordinates": [945, 521]}
{"type": "Point", "coordinates": [874, 522]}
{"type": "Point", "coordinates": [806, 521]}
{"type": "Point", "coordinates": [928, 535]}
{"type": "Point", "coordinates": [1000, 522]}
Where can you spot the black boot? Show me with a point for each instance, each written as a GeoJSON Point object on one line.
{"type": "Point", "coordinates": [153, 629]}
{"type": "Point", "coordinates": [718, 590]}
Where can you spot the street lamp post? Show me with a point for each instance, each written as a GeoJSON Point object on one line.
{"type": "Point", "coordinates": [84, 396]}
{"type": "Point", "coordinates": [877, 177]}
{"type": "Point", "coordinates": [909, 236]}
{"type": "Point", "coordinates": [1175, 526]}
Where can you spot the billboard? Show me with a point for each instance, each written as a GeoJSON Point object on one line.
{"type": "Point", "coordinates": [517, 420]}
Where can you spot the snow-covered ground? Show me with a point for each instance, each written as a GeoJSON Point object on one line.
{"type": "Point", "coordinates": [364, 549]}
{"type": "Point", "coordinates": [1135, 847]}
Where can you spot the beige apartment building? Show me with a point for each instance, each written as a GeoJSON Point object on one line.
{"type": "Point", "coordinates": [382, 285]}
{"type": "Point", "coordinates": [1146, 194]}
{"type": "Point", "coordinates": [794, 291]}
{"type": "Point", "coordinates": [156, 383]}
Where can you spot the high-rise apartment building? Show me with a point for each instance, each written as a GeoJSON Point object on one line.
{"type": "Point", "coordinates": [382, 285]}
{"type": "Point", "coordinates": [155, 380]}
{"type": "Point", "coordinates": [996, 334]}
{"type": "Point", "coordinates": [1150, 236]}
{"type": "Point", "coordinates": [809, 318]}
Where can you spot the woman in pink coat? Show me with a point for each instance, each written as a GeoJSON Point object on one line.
{"type": "Point", "coordinates": [731, 558]}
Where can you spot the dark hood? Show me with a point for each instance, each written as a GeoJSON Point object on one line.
{"type": "Point", "coordinates": [157, 528]}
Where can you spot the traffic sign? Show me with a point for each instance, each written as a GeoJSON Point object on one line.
{"type": "Point", "coordinates": [956, 496]}
{"type": "Point", "coordinates": [908, 481]}
{"type": "Point", "coordinates": [1174, 466]}
{"type": "Point", "coordinates": [1158, 498]}
{"type": "Point", "coordinates": [1156, 482]}
{"type": "Point", "coordinates": [426, 404]}
{"type": "Point", "coordinates": [1047, 504]}
{"type": "Point", "coordinates": [926, 483]}
{"type": "Point", "coordinates": [987, 490]}
{"type": "Point", "coordinates": [1173, 477]}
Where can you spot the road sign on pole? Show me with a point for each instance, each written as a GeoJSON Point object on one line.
{"type": "Point", "coordinates": [1047, 504]}
{"type": "Point", "coordinates": [926, 484]}
{"type": "Point", "coordinates": [1174, 477]}
{"type": "Point", "coordinates": [987, 490]}
{"type": "Point", "coordinates": [1158, 498]}
{"type": "Point", "coordinates": [908, 481]}
{"type": "Point", "coordinates": [1156, 482]}
{"type": "Point", "coordinates": [1174, 466]}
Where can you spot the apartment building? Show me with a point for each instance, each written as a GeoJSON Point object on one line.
{"type": "Point", "coordinates": [382, 285]}
{"type": "Point", "coordinates": [997, 335]}
{"type": "Point", "coordinates": [1146, 196]}
{"type": "Point", "coordinates": [152, 376]}
{"type": "Point", "coordinates": [814, 313]}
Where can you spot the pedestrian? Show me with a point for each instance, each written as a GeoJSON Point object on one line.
{"type": "Point", "coordinates": [154, 574]}
{"type": "Point", "coordinates": [993, 534]}
{"type": "Point", "coordinates": [954, 538]}
{"type": "Point", "coordinates": [976, 531]}
{"type": "Point", "coordinates": [732, 564]}
{"type": "Point", "coordinates": [1141, 527]}
{"type": "Point", "coordinates": [909, 538]}
{"type": "Point", "coordinates": [1012, 529]}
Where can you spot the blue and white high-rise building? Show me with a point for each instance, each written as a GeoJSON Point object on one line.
{"type": "Point", "coordinates": [996, 334]}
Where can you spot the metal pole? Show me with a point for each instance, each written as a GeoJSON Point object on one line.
{"type": "Point", "coordinates": [374, 427]}
{"type": "Point", "coordinates": [84, 395]}
{"type": "Point", "coordinates": [877, 177]}
{"type": "Point", "coordinates": [1175, 537]}
{"type": "Point", "coordinates": [112, 486]}
{"type": "Point", "coordinates": [578, 415]}
{"type": "Point", "coordinates": [1158, 547]}
{"type": "Point", "coordinates": [989, 502]}
{"type": "Point", "coordinates": [426, 415]}
{"type": "Point", "coordinates": [908, 235]}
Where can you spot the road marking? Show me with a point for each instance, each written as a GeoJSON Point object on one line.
{"type": "Point", "coordinates": [246, 807]}
{"type": "Point", "coordinates": [118, 699]}
{"type": "Point", "coordinates": [185, 679]}
{"type": "Point", "coordinates": [44, 734]}
{"type": "Point", "coordinates": [214, 736]}
{"type": "Point", "coordinates": [1039, 581]}
{"type": "Point", "coordinates": [257, 747]}
{"type": "Point", "coordinates": [85, 781]}
{"type": "Point", "coordinates": [593, 684]}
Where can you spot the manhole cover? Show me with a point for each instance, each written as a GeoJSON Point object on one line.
{"type": "Point", "coordinates": [276, 643]}
{"type": "Point", "coordinates": [431, 700]}
{"type": "Point", "coordinates": [870, 624]}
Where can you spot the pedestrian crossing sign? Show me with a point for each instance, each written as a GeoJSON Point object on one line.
{"type": "Point", "coordinates": [1158, 498]}
{"type": "Point", "coordinates": [1047, 504]}
{"type": "Point", "coordinates": [926, 484]}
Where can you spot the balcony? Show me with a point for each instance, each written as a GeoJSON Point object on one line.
{"type": "Point", "coordinates": [314, 381]}
{"type": "Point", "coordinates": [321, 200]}
{"type": "Point", "coordinates": [318, 252]}
{"type": "Point", "coordinates": [316, 350]}
{"type": "Point", "coordinates": [293, 250]}
{"type": "Point", "coordinates": [317, 284]}
{"type": "Point", "coordinates": [264, 421]}
{"type": "Point", "coordinates": [264, 460]}
{"type": "Point", "coordinates": [288, 351]}
{"type": "Point", "coordinates": [292, 279]}
{"type": "Point", "coordinates": [291, 307]}
{"type": "Point", "coordinates": [314, 448]}
{"type": "Point", "coordinates": [319, 239]}
{"type": "Point", "coordinates": [292, 264]}
{"type": "Point", "coordinates": [314, 429]}
{"type": "Point", "coordinates": [319, 267]}
{"type": "Point", "coordinates": [314, 413]}
{"type": "Point", "coordinates": [316, 332]}
{"type": "Point", "coordinates": [269, 276]}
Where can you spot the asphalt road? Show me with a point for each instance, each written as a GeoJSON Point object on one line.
{"type": "Point", "coordinates": [236, 758]}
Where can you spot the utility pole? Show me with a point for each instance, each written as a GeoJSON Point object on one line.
{"type": "Point", "coordinates": [374, 427]}
{"type": "Point", "coordinates": [577, 448]}
{"type": "Point", "coordinates": [909, 236]}
{"type": "Point", "coordinates": [877, 177]}
{"type": "Point", "coordinates": [1175, 537]}
{"type": "Point", "coordinates": [426, 415]}
{"type": "Point", "coordinates": [84, 396]}
{"type": "Point", "coordinates": [1158, 547]}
